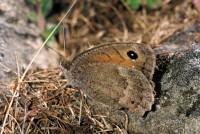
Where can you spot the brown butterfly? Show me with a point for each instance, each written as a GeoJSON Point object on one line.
{"type": "Point", "coordinates": [116, 74]}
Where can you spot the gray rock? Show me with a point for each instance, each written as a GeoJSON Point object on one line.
{"type": "Point", "coordinates": [19, 42]}
{"type": "Point", "coordinates": [177, 107]}
{"type": "Point", "coordinates": [181, 40]}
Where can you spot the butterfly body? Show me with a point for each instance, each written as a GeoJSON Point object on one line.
{"type": "Point", "coordinates": [117, 75]}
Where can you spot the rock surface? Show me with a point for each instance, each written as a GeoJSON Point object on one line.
{"type": "Point", "coordinates": [181, 40]}
{"type": "Point", "coordinates": [177, 106]}
{"type": "Point", "coordinates": [18, 43]}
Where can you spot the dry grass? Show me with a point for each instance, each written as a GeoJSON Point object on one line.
{"type": "Point", "coordinates": [46, 105]}
{"type": "Point", "coordinates": [95, 22]}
